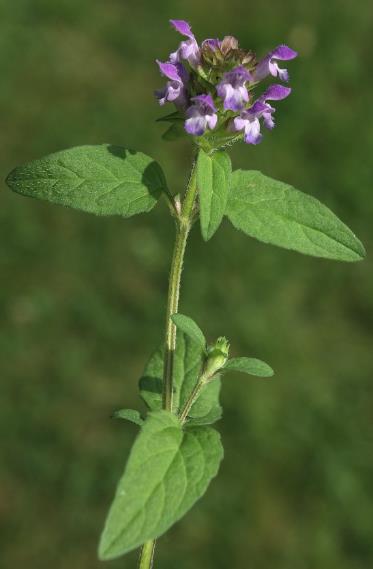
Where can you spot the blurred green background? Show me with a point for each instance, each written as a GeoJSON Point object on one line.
{"type": "Point", "coordinates": [82, 299]}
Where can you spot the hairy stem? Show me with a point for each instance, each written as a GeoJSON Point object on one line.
{"type": "Point", "coordinates": [184, 224]}
{"type": "Point", "coordinates": [146, 555]}
{"type": "Point", "coordinates": [172, 307]}
{"type": "Point", "coordinates": [192, 398]}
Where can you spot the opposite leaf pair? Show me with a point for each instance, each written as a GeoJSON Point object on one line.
{"type": "Point", "coordinates": [110, 180]}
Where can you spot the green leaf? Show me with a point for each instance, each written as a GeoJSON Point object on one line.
{"type": "Point", "coordinates": [104, 180]}
{"type": "Point", "coordinates": [188, 362]}
{"type": "Point", "coordinates": [215, 414]}
{"type": "Point", "coordinates": [276, 213]}
{"type": "Point", "coordinates": [190, 328]}
{"type": "Point", "coordinates": [174, 132]}
{"type": "Point", "coordinates": [213, 180]}
{"type": "Point", "coordinates": [168, 470]}
{"type": "Point", "coordinates": [129, 415]}
{"type": "Point", "coordinates": [171, 117]}
{"type": "Point", "coordinates": [252, 366]}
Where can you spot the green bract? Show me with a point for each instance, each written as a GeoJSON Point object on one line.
{"type": "Point", "coordinates": [276, 213]}
{"type": "Point", "coordinates": [168, 470]}
{"type": "Point", "coordinates": [104, 180]}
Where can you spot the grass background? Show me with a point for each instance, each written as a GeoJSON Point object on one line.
{"type": "Point", "coordinates": [82, 299]}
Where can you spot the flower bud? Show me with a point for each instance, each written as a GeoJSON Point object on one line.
{"type": "Point", "coordinates": [217, 355]}
{"type": "Point", "coordinates": [229, 43]}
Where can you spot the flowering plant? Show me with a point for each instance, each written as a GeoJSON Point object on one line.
{"type": "Point", "coordinates": [214, 89]}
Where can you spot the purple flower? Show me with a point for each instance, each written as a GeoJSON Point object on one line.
{"type": "Point", "coordinates": [201, 115]}
{"type": "Point", "coordinates": [248, 121]}
{"type": "Point", "coordinates": [232, 89]}
{"type": "Point", "coordinates": [188, 49]}
{"type": "Point", "coordinates": [211, 43]}
{"type": "Point", "coordinates": [268, 65]}
{"type": "Point", "coordinates": [175, 89]}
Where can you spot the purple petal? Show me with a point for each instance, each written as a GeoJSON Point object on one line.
{"type": "Point", "coordinates": [267, 65]}
{"type": "Point", "coordinates": [257, 110]}
{"type": "Point", "coordinates": [238, 76]}
{"type": "Point", "coordinates": [283, 52]}
{"type": "Point", "coordinates": [235, 99]}
{"type": "Point", "coordinates": [252, 132]}
{"type": "Point", "coordinates": [190, 51]}
{"type": "Point", "coordinates": [160, 94]}
{"type": "Point", "coordinates": [211, 43]}
{"type": "Point", "coordinates": [276, 71]}
{"type": "Point", "coordinates": [211, 121]}
{"type": "Point", "coordinates": [182, 27]}
{"type": "Point", "coordinates": [169, 70]}
{"type": "Point", "coordinates": [195, 125]}
{"type": "Point", "coordinates": [205, 100]}
{"type": "Point", "coordinates": [239, 123]}
{"type": "Point", "coordinates": [276, 93]}
{"type": "Point", "coordinates": [175, 56]}
{"type": "Point", "coordinates": [268, 120]}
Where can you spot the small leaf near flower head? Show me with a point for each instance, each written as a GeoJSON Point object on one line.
{"type": "Point", "coordinates": [251, 366]}
{"type": "Point", "coordinates": [174, 132]}
{"type": "Point", "coordinates": [213, 180]}
{"type": "Point", "coordinates": [171, 117]}
{"type": "Point", "coordinates": [190, 328]}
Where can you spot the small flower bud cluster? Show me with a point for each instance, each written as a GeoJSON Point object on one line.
{"type": "Point", "coordinates": [212, 86]}
{"type": "Point", "coordinates": [217, 355]}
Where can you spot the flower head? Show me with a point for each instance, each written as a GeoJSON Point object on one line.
{"type": "Point", "coordinates": [212, 85]}
{"type": "Point", "coordinates": [201, 115]}
{"type": "Point", "coordinates": [232, 88]}
{"type": "Point", "coordinates": [269, 66]}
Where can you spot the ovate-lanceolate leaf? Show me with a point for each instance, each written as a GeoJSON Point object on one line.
{"type": "Point", "coordinates": [188, 361]}
{"type": "Point", "coordinates": [190, 328]}
{"type": "Point", "coordinates": [168, 470]}
{"type": "Point", "coordinates": [276, 213]}
{"type": "Point", "coordinates": [213, 181]}
{"type": "Point", "coordinates": [251, 366]}
{"type": "Point", "coordinates": [104, 180]}
{"type": "Point", "coordinates": [129, 415]}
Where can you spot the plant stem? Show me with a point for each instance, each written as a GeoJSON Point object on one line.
{"type": "Point", "coordinates": [191, 399]}
{"type": "Point", "coordinates": [184, 224]}
{"type": "Point", "coordinates": [146, 555]}
{"type": "Point", "coordinates": [172, 307]}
